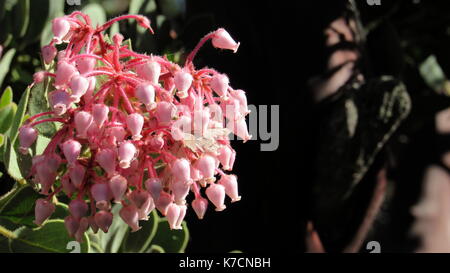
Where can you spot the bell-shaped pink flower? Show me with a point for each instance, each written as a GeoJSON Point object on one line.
{"type": "Point", "coordinates": [183, 81]}
{"type": "Point", "coordinates": [60, 28]}
{"type": "Point", "coordinates": [127, 151]}
{"type": "Point", "coordinates": [200, 205]}
{"type": "Point", "coordinates": [146, 208]}
{"type": "Point", "coordinates": [27, 136]}
{"type": "Point", "coordinates": [231, 186]}
{"type": "Point", "coordinates": [78, 208]}
{"type": "Point", "coordinates": [85, 64]}
{"type": "Point", "coordinates": [39, 76]}
{"type": "Point", "coordinates": [146, 94]}
{"type": "Point", "coordinates": [67, 186]}
{"type": "Point", "coordinates": [100, 114]}
{"type": "Point", "coordinates": [118, 133]}
{"type": "Point", "coordinates": [72, 224]}
{"type": "Point", "coordinates": [149, 71]}
{"type": "Point", "coordinates": [76, 173]}
{"type": "Point", "coordinates": [106, 158]}
{"type": "Point", "coordinates": [195, 174]}
{"type": "Point", "coordinates": [173, 213]}
{"type": "Point", "coordinates": [183, 209]}
{"type": "Point", "coordinates": [181, 170]}
{"type": "Point", "coordinates": [43, 210]}
{"type": "Point", "coordinates": [223, 40]}
{"type": "Point", "coordinates": [71, 149]}
{"type": "Point", "coordinates": [46, 167]}
{"type": "Point", "coordinates": [201, 122]}
{"type": "Point", "coordinates": [206, 164]}
{"type": "Point", "coordinates": [220, 83]}
{"type": "Point", "coordinates": [90, 91]}
{"type": "Point", "coordinates": [83, 121]}
{"type": "Point", "coordinates": [135, 122]}
{"type": "Point", "coordinates": [79, 86]}
{"type": "Point", "coordinates": [93, 224]}
{"type": "Point", "coordinates": [84, 225]}
{"type": "Point", "coordinates": [216, 194]}
{"type": "Point", "coordinates": [165, 112]}
{"type": "Point", "coordinates": [103, 219]}
{"type": "Point", "coordinates": [64, 73]}
{"type": "Point", "coordinates": [224, 156]}
{"type": "Point", "coordinates": [239, 128]}
{"type": "Point", "coordinates": [139, 197]}
{"type": "Point", "coordinates": [156, 142]}
{"type": "Point", "coordinates": [181, 126]}
{"type": "Point", "coordinates": [154, 187]}
{"type": "Point", "coordinates": [180, 190]}
{"type": "Point", "coordinates": [130, 216]}
{"type": "Point", "coordinates": [48, 53]}
{"type": "Point", "coordinates": [164, 200]}
{"type": "Point", "coordinates": [101, 194]}
{"type": "Point", "coordinates": [60, 101]}
{"type": "Point", "coordinates": [118, 185]}
{"type": "Point", "coordinates": [242, 98]}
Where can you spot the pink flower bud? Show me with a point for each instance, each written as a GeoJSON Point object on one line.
{"type": "Point", "coordinates": [206, 164]}
{"type": "Point", "coordinates": [60, 101]}
{"type": "Point", "coordinates": [139, 197]}
{"type": "Point", "coordinates": [46, 168]}
{"type": "Point", "coordinates": [181, 170]}
{"type": "Point", "coordinates": [146, 94]}
{"type": "Point", "coordinates": [85, 64]}
{"type": "Point", "coordinates": [135, 122]}
{"type": "Point", "coordinates": [93, 224]}
{"type": "Point", "coordinates": [84, 225]}
{"type": "Point", "coordinates": [68, 187]}
{"type": "Point", "coordinates": [90, 91]}
{"type": "Point", "coordinates": [181, 126]}
{"type": "Point", "coordinates": [43, 210]}
{"type": "Point", "coordinates": [242, 98]}
{"type": "Point", "coordinates": [106, 158]}
{"type": "Point", "coordinates": [165, 112]}
{"type": "Point", "coordinates": [118, 185]}
{"type": "Point", "coordinates": [130, 216]}
{"type": "Point", "coordinates": [183, 209]}
{"type": "Point", "coordinates": [200, 205]}
{"type": "Point", "coordinates": [100, 114]}
{"type": "Point", "coordinates": [164, 200]}
{"type": "Point", "coordinates": [76, 173]}
{"type": "Point", "coordinates": [239, 128]}
{"type": "Point", "coordinates": [201, 122]}
{"type": "Point", "coordinates": [27, 136]}
{"type": "Point", "coordinates": [118, 133]}
{"type": "Point", "coordinates": [60, 28]}
{"type": "Point", "coordinates": [156, 142]}
{"type": "Point", "coordinates": [103, 219]}
{"type": "Point", "coordinates": [195, 174]}
{"type": "Point", "coordinates": [71, 149]}
{"type": "Point", "coordinates": [78, 208]}
{"type": "Point", "coordinates": [183, 81]}
{"type": "Point", "coordinates": [71, 225]}
{"type": "Point", "coordinates": [231, 187]}
{"type": "Point", "coordinates": [127, 151]}
{"type": "Point", "coordinates": [83, 120]}
{"type": "Point", "coordinates": [173, 213]}
{"type": "Point", "coordinates": [79, 86]}
{"type": "Point", "coordinates": [154, 187]}
{"type": "Point", "coordinates": [223, 40]}
{"type": "Point", "coordinates": [219, 83]}
{"type": "Point", "coordinates": [216, 194]}
{"type": "Point", "coordinates": [101, 192]}
{"type": "Point", "coordinates": [64, 73]}
{"type": "Point", "coordinates": [48, 53]}
{"type": "Point", "coordinates": [39, 76]}
{"type": "Point", "coordinates": [149, 71]}
{"type": "Point", "coordinates": [224, 157]}
{"type": "Point", "coordinates": [180, 190]}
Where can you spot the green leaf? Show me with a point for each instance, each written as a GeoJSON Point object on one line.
{"type": "Point", "coordinates": [21, 17]}
{"type": "Point", "coordinates": [19, 209]}
{"type": "Point", "coordinates": [7, 97]}
{"type": "Point", "coordinates": [6, 117]}
{"type": "Point", "coordinates": [111, 241]}
{"type": "Point", "coordinates": [52, 237]}
{"type": "Point", "coordinates": [20, 113]}
{"type": "Point", "coordinates": [16, 164]}
{"type": "Point", "coordinates": [37, 8]}
{"type": "Point", "coordinates": [5, 63]}
{"type": "Point", "coordinates": [173, 241]}
{"type": "Point", "coordinates": [38, 103]}
{"type": "Point", "coordinates": [40, 145]}
{"type": "Point", "coordinates": [432, 73]}
{"type": "Point", "coordinates": [96, 13]}
{"type": "Point", "coordinates": [140, 240]}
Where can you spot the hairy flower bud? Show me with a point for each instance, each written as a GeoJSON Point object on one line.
{"type": "Point", "coordinates": [173, 213]}
{"type": "Point", "coordinates": [130, 216]}
{"type": "Point", "coordinates": [103, 219]}
{"type": "Point", "coordinates": [181, 170]}
{"type": "Point", "coordinates": [165, 112]}
{"type": "Point", "coordinates": [64, 73]}
{"type": "Point", "coordinates": [83, 120]}
{"type": "Point", "coordinates": [154, 187]}
{"type": "Point", "coordinates": [219, 84]}
{"type": "Point", "coordinates": [71, 149]}
{"type": "Point", "coordinates": [100, 114]}
{"type": "Point", "coordinates": [146, 94]}
{"type": "Point", "coordinates": [106, 158]}
{"type": "Point", "coordinates": [101, 194]}
{"type": "Point", "coordinates": [78, 208]}
{"type": "Point", "coordinates": [134, 123]}
{"type": "Point", "coordinates": [127, 151]}
{"type": "Point", "coordinates": [231, 186]}
{"type": "Point", "coordinates": [200, 205]}
{"type": "Point", "coordinates": [60, 101]}
{"type": "Point", "coordinates": [216, 194]}
{"type": "Point", "coordinates": [118, 185]}
{"type": "Point", "coordinates": [79, 86]}
{"type": "Point", "coordinates": [206, 165]}
{"type": "Point", "coordinates": [85, 64]}
{"type": "Point", "coordinates": [60, 28]}
{"type": "Point", "coordinates": [183, 81]}
{"type": "Point", "coordinates": [48, 53]}
{"type": "Point", "coordinates": [149, 71]}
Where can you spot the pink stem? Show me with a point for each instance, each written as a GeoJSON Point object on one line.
{"type": "Point", "coordinates": [123, 17]}
{"type": "Point", "coordinates": [126, 101]}
{"type": "Point", "coordinates": [191, 55]}
{"type": "Point", "coordinates": [30, 119]}
{"type": "Point", "coordinates": [48, 120]}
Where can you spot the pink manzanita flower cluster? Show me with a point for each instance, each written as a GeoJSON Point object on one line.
{"type": "Point", "coordinates": [136, 129]}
